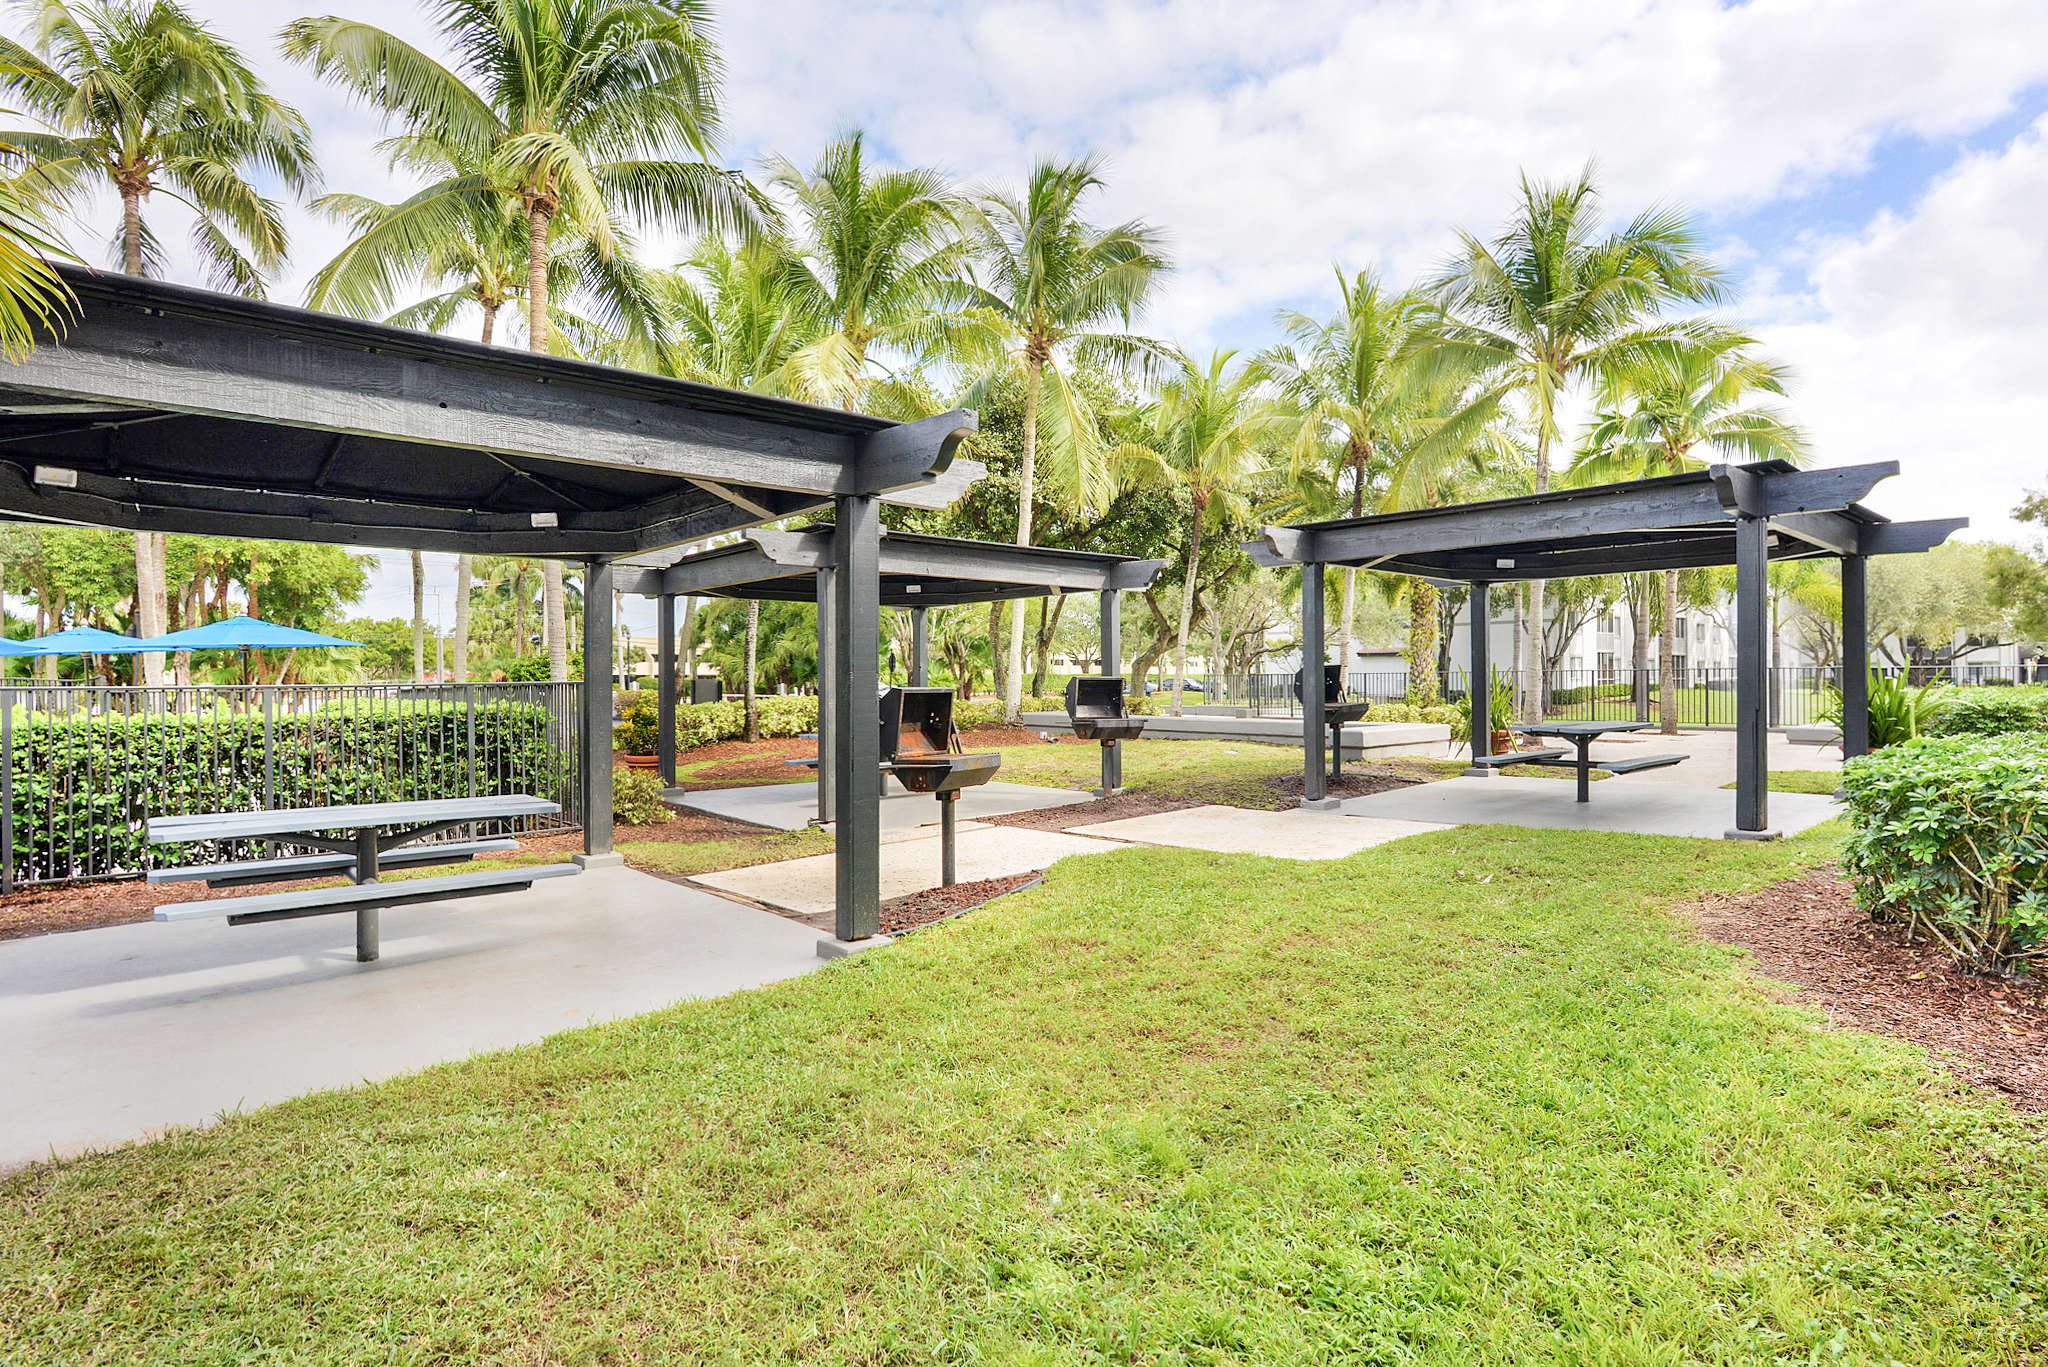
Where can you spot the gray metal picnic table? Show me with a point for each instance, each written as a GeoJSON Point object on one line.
{"type": "Point", "coordinates": [377, 834]}
{"type": "Point", "coordinates": [1583, 734]}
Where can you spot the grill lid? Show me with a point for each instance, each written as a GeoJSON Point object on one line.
{"type": "Point", "coordinates": [1092, 697]}
{"type": "Point", "coordinates": [1333, 683]}
{"type": "Point", "coordinates": [916, 721]}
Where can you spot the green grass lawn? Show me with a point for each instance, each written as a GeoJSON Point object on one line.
{"type": "Point", "coordinates": [1697, 706]}
{"type": "Point", "coordinates": [1234, 775]}
{"type": "Point", "coordinates": [1473, 1097]}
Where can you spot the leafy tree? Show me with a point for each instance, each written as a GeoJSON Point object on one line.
{"type": "Point", "coordinates": [146, 99]}
{"type": "Point", "coordinates": [578, 109]}
{"type": "Point", "coordinates": [1668, 408]}
{"type": "Point", "coordinates": [1921, 606]}
{"type": "Point", "coordinates": [1211, 435]}
{"type": "Point", "coordinates": [873, 254]}
{"type": "Point", "coordinates": [1552, 302]}
{"type": "Point", "coordinates": [1045, 287]}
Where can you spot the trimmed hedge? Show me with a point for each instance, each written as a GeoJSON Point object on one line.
{"type": "Point", "coordinates": [1584, 693]}
{"type": "Point", "coordinates": [1949, 840]}
{"type": "Point", "coordinates": [1991, 712]}
{"type": "Point", "coordinates": [1439, 714]}
{"type": "Point", "coordinates": [82, 786]}
{"type": "Point", "coordinates": [783, 715]}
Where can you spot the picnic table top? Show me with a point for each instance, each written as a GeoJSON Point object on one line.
{"type": "Point", "coordinates": [1580, 728]}
{"type": "Point", "coordinates": [168, 830]}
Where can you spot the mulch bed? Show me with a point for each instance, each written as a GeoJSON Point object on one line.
{"type": "Point", "coordinates": [736, 764]}
{"type": "Point", "coordinates": [1087, 813]}
{"type": "Point", "coordinates": [936, 904]}
{"type": "Point", "coordinates": [1990, 1032]}
{"type": "Point", "coordinates": [1359, 780]}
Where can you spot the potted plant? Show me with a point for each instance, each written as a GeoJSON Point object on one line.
{"type": "Point", "coordinates": [637, 737]}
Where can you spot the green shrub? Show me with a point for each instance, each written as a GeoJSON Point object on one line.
{"type": "Point", "coordinates": [1438, 714]}
{"type": "Point", "coordinates": [1585, 693]}
{"type": "Point", "coordinates": [83, 786]}
{"type": "Point", "coordinates": [636, 799]}
{"type": "Point", "coordinates": [707, 723]}
{"type": "Point", "coordinates": [640, 731]}
{"type": "Point", "coordinates": [1898, 712]}
{"type": "Point", "coordinates": [1948, 841]}
{"type": "Point", "coordinates": [1990, 712]}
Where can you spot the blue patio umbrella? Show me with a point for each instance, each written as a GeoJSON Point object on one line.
{"type": "Point", "coordinates": [83, 641]}
{"type": "Point", "coordinates": [244, 634]}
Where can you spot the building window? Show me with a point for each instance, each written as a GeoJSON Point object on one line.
{"type": "Point", "coordinates": [1699, 631]}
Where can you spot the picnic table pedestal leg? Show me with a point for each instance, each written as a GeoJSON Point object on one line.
{"type": "Point", "coordinates": [1585, 768]}
{"type": "Point", "coordinates": [366, 917]}
{"type": "Point", "coordinates": [948, 868]}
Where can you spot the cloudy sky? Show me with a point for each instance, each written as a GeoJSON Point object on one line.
{"type": "Point", "coordinates": [1875, 170]}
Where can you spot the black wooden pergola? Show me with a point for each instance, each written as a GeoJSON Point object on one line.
{"type": "Point", "coordinates": [1741, 515]}
{"type": "Point", "coordinates": [170, 409]}
{"type": "Point", "coordinates": [914, 571]}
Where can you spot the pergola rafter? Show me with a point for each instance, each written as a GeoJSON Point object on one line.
{"type": "Point", "coordinates": [1741, 515]}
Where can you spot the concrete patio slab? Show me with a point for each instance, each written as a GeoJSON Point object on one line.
{"type": "Point", "coordinates": [1284, 835]}
{"type": "Point", "coordinates": [805, 886]}
{"type": "Point", "coordinates": [118, 1033]}
{"type": "Point", "coordinates": [793, 806]}
{"type": "Point", "coordinates": [1368, 740]}
{"type": "Point", "coordinates": [1617, 805]}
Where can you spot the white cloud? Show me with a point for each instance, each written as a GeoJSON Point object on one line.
{"type": "Point", "coordinates": [1921, 341]}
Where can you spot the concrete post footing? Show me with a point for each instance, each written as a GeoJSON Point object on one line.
{"type": "Point", "coordinates": [1753, 835]}
{"type": "Point", "coordinates": [829, 948]}
{"type": "Point", "coordinates": [1481, 771]}
{"type": "Point", "coordinates": [610, 859]}
{"type": "Point", "coordinates": [1322, 804]}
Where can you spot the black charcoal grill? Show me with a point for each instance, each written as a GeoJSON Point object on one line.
{"type": "Point", "coordinates": [1336, 712]}
{"type": "Point", "coordinates": [1097, 712]}
{"type": "Point", "coordinates": [919, 747]}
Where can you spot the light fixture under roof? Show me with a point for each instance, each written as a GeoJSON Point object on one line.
{"type": "Point", "coordinates": [1504, 564]}
{"type": "Point", "coordinates": [546, 520]}
{"type": "Point", "coordinates": [57, 476]}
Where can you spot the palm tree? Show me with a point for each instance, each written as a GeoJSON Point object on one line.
{"type": "Point", "coordinates": [1552, 303]}
{"type": "Point", "coordinates": [874, 255]}
{"type": "Point", "coordinates": [1366, 402]}
{"type": "Point", "coordinates": [1046, 285]}
{"type": "Point", "coordinates": [1670, 402]}
{"type": "Point", "coordinates": [419, 619]}
{"type": "Point", "coordinates": [1210, 434]}
{"type": "Point", "coordinates": [146, 99]}
{"type": "Point", "coordinates": [739, 317]}
{"type": "Point", "coordinates": [578, 108]}
{"type": "Point", "coordinates": [33, 297]}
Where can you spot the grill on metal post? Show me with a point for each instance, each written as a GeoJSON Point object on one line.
{"type": "Point", "coordinates": [919, 747]}
{"type": "Point", "coordinates": [1336, 712]}
{"type": "Point", "coordinates": [1097, 712]}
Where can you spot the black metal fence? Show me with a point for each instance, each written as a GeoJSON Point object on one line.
{"type": "Point", "coordinates": [82, 767]}
{"type": "Point", "coordinates": [1797, 696]}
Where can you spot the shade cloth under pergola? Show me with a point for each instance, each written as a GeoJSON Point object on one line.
{"type": "Point", "coordinates": [916, 572]}
{"type": "Point", "coordinates": [171, 409]}
{"type": "Point", "coordinates": [1741, 515]}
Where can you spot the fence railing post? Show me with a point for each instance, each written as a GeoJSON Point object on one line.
{"type": "Point", "coordinates": [6, 790]}
{"type": "Point", "coordinates": [470, 750]}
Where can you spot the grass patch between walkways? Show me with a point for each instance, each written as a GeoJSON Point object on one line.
{"type": "Point", "coordinates": [1470, 1097]}
{"type": "Point", "coordinates": [711, 856]}
{"type": "Point", "coordinates": [1826, 782]}
{"type": "Point", "coordinates": [1228, 773]}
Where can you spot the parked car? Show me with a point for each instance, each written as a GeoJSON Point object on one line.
{"type": "Point", "coordinates": [1187, 686]}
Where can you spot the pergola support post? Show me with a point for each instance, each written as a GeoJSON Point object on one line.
{"type": "Point", "coordinates": [856, 754]}
{"type": "Point", "coordinates": [828, 715]}
{"type": "Point", "coordinates": [1855, 657]}
{"type": "Point", "coordinates": [1314, 728]}
{"type": "Point", "coordinates": [1479, 690]}
{"type": "Point", "coordinates": [1110, 621]}
{"type": "Point", "coordinates": [665, 688]}
{"type": "Point", "coordinates": [1752, 674]}
{"type": "Point", "coordinates": [597, 717]}
{"type": "Point", "coordinates": [920, 648]}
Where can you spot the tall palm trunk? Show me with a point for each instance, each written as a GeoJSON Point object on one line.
{"type": "Point", "coordinates": [490, 319]}
{"type": "Point", "coordinates": [462, 578]}
{"type": "Point", "coordinates": [1187, 602]}
{"type": "Point", "coordinates": [555, 602]}
{"type": "Point", "coordinates": [1347, 614]}
{"type": "Point", "coordinates": [753, 707]}
{"type": "Point", "coordinates": [419, 619]}
{"type": "Point", "coordinates": [1034, 375]}
{"type": "Point", "coordinates": [1667, 671]}
{"type": "Point", "coordinates": [1639, 660]}
{"type": "Point", "coordinates": [151, 548]}
{"type": "Point", "coordinates": [689, 643]}
{"type": "Point", "coordinates": [1538, 696]}
{"type": "Point", "coordinates": [1422, 635]}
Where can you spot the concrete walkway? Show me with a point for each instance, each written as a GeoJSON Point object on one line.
{"type": "Point", "coordinates": [1621, 804]}
{"type": "Point", "coordinates": [1710, 761]}
{"type": "Point", "coordinates": [793, 806]}
{"type": "Point", "coordinates": [807, 886]}
{"type": "Point", "coordinates": [1283, 835]}
{"type": "Point", "coordinates": [115, 1034]}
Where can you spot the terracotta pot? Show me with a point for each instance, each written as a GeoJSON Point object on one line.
{"type": "Point", "coordinates": [642, 761]}
{"type": "Point", "coordinates": [1503, 741]}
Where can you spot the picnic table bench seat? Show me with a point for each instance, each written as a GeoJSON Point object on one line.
{"type": "Point", "coordinates": [290, 868]}
{"type": "Point", "coordinates": [285, 906]}
{"type": "Point", "coordinates": [1636, 762]}
{"type": "Point", "coordinates": [1501, 761]}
